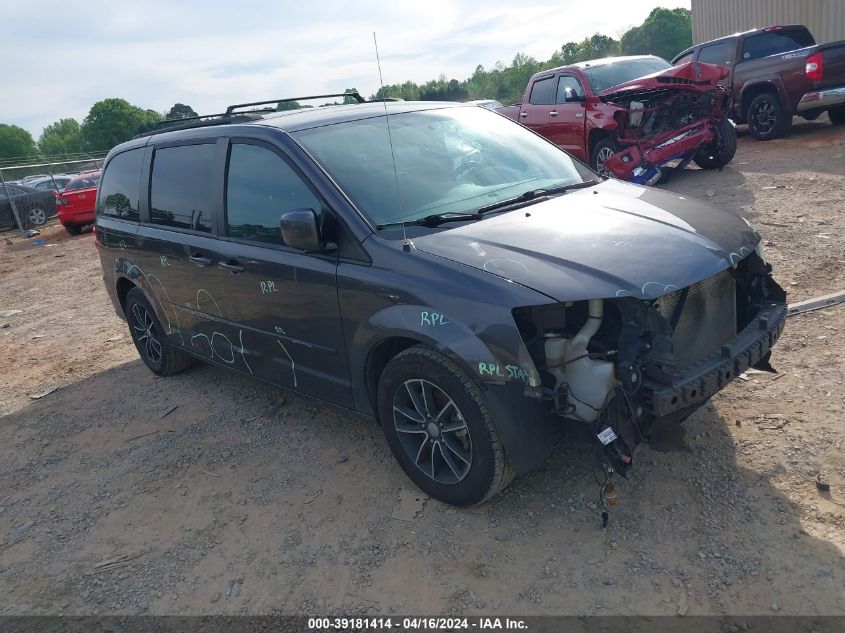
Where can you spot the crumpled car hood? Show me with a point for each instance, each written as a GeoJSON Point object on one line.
{"type": "Point", "coordinates": [611, 240]}
{"type": "Point", "coordinates": [689, 76]}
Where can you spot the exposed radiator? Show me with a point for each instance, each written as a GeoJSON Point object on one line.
{"type": "Point", "coordinates": [708, 318]}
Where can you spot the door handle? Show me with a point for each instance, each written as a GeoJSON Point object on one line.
{"type": "Point", "coordinates": [553, 113]}
{"type": "Point", "coordinates": [200, 259]}
{"type": "Point", "coordinates": [232, 266]}
{"type": "Point", "coordinates": [523, 114]}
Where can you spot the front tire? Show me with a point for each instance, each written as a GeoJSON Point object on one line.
{"type": "Point", "coordinates": [73, 229]}
{"type": "Point", "coordinates": [603, 150]}
{"type": "Point", "coordinates": [439, 429]}
{"type": "Point", "coordinates": [720, 153]}
{"type": "Point", "coordinates": [159, 355]}
{"type": "Point", "coordinates": [766, 118]}
{"type": "Point", "coordinates": [837, 115]}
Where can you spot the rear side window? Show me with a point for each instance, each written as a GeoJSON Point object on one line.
{"type": "Point", "coordinates": [775, 42]}
{"type": "Point", "coordinates": [260, 187]}
{"type": "Point", "coordinates": [543, 92]}
{"type": "Point", "coordinates": [182, 190]}
{"type": "Point", "coordinates": [121, 186]}
{"type": "Point", "coordinates": [721, 54]}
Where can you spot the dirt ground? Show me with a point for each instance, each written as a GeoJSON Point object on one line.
{"type": "Point", "coordinates": [209, 492]}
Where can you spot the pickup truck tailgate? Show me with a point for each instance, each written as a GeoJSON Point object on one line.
{"type": "Point", "coordinates": [833, 72]}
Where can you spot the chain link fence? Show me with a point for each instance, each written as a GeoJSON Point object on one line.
{"type": "Point", "coordinates": [29, 186]}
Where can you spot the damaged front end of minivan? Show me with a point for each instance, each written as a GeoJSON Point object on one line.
{"type": "Point", "coordinates": [613, 367]}
{"type": "Point", "coordinates": [668, 119]}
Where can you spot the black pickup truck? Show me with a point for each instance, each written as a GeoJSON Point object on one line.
{"type": "Point", "coordinates": [776, 73]}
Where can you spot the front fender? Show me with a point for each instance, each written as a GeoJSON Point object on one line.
{"type": "Point", "coordinates": [489, 349]}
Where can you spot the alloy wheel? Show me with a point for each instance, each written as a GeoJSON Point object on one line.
{"type": "Point", "coordinates": [764, 118]}
{"type": "Point", "coordinates": [37, 217]}
{"type": "Point", "coordinates": [432, 431]}
{"type": "Point", "coordinates": [601, 157]}
{"type": "Point", "coordinates": [146, 333]}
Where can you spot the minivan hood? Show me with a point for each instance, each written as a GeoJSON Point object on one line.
{"type": "Point", "coordinates": [689, 76]}
{"type": "Point", "coordinates": [611, 240]}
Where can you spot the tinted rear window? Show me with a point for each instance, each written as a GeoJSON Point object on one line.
{"type": "Point", "coordinates": [82, 183]}
{"type": "Point", "coordinates": [182, 190]}
{"type": "Point", "coordinates": [543, 92]}
{"type": "Point", "coordinates": [775, 42]}
{"type": "Point", "coordinates": [121, 185]}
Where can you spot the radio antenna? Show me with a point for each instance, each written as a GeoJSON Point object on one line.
{"type": "Point", "coordinates": [406, 243]}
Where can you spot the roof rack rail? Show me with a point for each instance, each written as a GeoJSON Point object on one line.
{"type": "Point", "coordinates": [230, 116]}
{"type": "Point", "coordinates": [236, 106]}
{"type": "Point", "coordinates": [203, 120]}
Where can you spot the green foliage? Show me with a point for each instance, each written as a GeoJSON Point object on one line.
{"type": "Point", "coordinates": [61, 137]}
{"type": "Point", "coordinates": [16, 141]}
{"type": "Point", "coordinates": [113, 121]}
{"type": "Point", "coordinates": [664, 33]}
{"type": "Point", "coordinates": [181, 111]}
{"type": "Point", "coordinates": [287, 105]}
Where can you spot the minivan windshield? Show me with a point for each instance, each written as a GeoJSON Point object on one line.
{"type": "Point", "coordinates": [453, 160]}
{"type": "Point", "coordinates": [612, 74]}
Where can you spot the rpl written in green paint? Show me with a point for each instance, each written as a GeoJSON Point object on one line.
{"type": "Point", "coordinates": [513, 372]}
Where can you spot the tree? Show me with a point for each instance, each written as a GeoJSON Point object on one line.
{"type": "Point", "coordinates": [113, 121]}
{"type": "Point", "coordinates": [61, 137]}
{"type": "Point", "coordinates": [180, 111]}
{"type": "Point", "coordinates": [665, 32]}
{"type": "Point", "coordinates": [16, 142]}
{"type": "Point", "coordinates": [287, 105]}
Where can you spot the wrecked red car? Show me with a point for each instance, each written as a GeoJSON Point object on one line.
{"type": "Point", "coordinates": [632, 117]}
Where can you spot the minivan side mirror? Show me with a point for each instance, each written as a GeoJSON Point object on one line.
{"type": "Point", "coordinates": [299, 230]}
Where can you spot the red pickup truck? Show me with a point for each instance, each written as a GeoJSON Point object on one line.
{"type": "Point", "coordinates": [775, 73]}
{"type": "Point", "coordinates": [631, 116]}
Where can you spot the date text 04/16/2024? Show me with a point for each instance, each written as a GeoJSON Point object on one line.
{"type": "Point", "coordinates": [418, 624]}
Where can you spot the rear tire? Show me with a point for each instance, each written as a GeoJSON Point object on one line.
{"type": "Point", "coordinates": [837, 115]}
{"type": "Point", "coordinates": [37, 216]}
{"type": "Point", "coordinates": [159, 355]}
{"type": "Point", "coordinates": [766, 118]}
{"type": "Point", "coordinates": [722, 151]}
{"type": "Point", "coordinates": [73, 229]}
{"type": "Point", "coordinates": [603, 150]}
{"type": "Point", "coordinates": [439, 428]}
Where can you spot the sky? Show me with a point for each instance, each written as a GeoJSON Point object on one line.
{"type": "Point", "coordinates": [59, 57]}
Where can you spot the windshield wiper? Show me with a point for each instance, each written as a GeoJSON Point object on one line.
{"type": "Point", "coordinates": [535, 195]}
{"type": "Point", "coordinates": [435, 219]}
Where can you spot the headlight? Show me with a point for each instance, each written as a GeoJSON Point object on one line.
{"type": "Point", "coordinates": [759, 248]}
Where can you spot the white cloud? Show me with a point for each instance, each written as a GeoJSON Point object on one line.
{"type": "Point", "coordinates": [60, 58]}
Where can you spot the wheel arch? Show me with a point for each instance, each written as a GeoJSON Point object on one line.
{"type": "Point", "coordinates": [750, 92]}
{"type": "Point", "coordinates": [122, 287]}
{"type": "Point", "coordinates": [596, 136]}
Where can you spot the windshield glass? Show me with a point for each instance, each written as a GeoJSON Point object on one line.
{"type": "Point", "coordinates": [615, 73]}
{"type": "Point", "coordinates": [451, 160]}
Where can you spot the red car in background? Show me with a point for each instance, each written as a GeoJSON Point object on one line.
{"type": "Point", "coordinates": [76, 204]}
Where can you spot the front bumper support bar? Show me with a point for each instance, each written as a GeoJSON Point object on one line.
{"type": "Point", "coordinates": [702, 380]}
